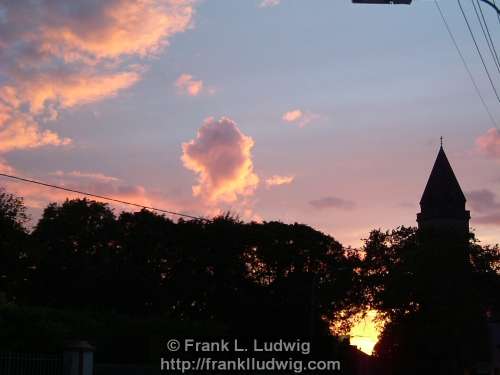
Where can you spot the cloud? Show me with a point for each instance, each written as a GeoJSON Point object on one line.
{"type": "Point", "coordinates": [269, 3]}
{"type": "Point", "coordinates": [221, 157]}
{"type": "Point", "coordinates": [186, 84]}
{"type": "Point", "coordinates": [6, 168]}
{"type": "Point", "coordinates": [277, 180]}
{"type": "Point", "coordinates": [68, 89]}
{"type": "Point", "coordinates": [489, 143]}
{"type": "Point", "coordinates": [299, 117]}
{"type": "Point", "coordinates": [89, 31]}
{"type": "Point", "coordinates": [332, 202]}
{"type": "Point", "coordinates": [37, 197]}
{"type": "Point", "coordinates": [56, 54]}
{"type": "Point", "coordinates": [86, 175]}
{"type": "Point", "coordinates": [292, 116]}
{"type": "Point", "coordinates": [490, 219]}
{"type": "Point", "coordinates": [482, 200]}
{"type": "Point", "coordinates": [21, 132]}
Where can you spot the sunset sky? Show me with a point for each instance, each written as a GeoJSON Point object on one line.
{"type": "Point", "coordinates": [320, 112]}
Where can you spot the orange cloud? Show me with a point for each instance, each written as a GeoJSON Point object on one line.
{"type": "Point", "coordinates": [292, 116]}
{"type": "Point", "coordinates": [36, 196]}
{"type": "Point", "coordinates": [110, 29]}
{"type": "Point", "coordinates": [489, 143]}
{"type": "Point", "coordinates": [279, 180]}
{"type": "Point", "coordinates": [60, 54]}
{"type": "Point", "coordinates": [89, 175]}
{"type": "Point", "coordinates": [299, 117]}
{"type": "Point", "coordinates": [73, 89]}
{"type": "Point", "coordinates": [22, 132]}
{"type": "Point", "coordinates": [221, 156]}
{"type": "Point", "coordinates": [186, 84]}
{"type": "Point", "coordinates": [5, 168]}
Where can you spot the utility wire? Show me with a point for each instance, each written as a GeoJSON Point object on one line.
{"type": "Point", "coordinates": [498, 15]}
{"type": "Point", "coordinates": [102, 197]}
{"type": "Point", "coordinates": [476, 88]}
{"type": "Point", "coordinates": [488, 30]}
{"type": "Point", "coordinates": [478, 51]}
{"type": "Point", "coordinates": [487, 36]}
{"type": "Point", "coordinates": [492, 4]}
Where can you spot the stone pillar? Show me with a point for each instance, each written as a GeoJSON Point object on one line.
{"type": "Point", "coordinates": [78, 358]}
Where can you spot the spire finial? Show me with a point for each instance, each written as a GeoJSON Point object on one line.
{"type": "Point", "coordinates": [441, 141]}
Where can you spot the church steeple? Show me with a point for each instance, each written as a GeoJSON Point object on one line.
{"type": "Point", "coordinates": [443, 202]}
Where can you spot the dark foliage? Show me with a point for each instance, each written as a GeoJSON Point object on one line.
{"type": "Point", "coordinates": [435, 293]}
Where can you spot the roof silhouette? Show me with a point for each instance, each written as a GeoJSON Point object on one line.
{"type": "Point", "coordinates": [442, 189]}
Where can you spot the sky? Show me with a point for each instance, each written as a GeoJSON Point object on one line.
{"type": "Point", "coordinates": [320, 112]}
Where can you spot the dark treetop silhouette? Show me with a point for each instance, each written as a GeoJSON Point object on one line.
{"type": "Point", "coordinates": [127, 282]}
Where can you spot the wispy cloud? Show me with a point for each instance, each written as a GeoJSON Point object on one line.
{"type": "Point", "coordinates": [58, 54]}
{"type": "Point", "coordinates": [186, 84]}
{"type": "Point", "coordinates": [489, 143]}
{"type": "Point", "coordinates": [332, 202]}
{"type": "Point", "coordinates": [299, 117]}
{"type": "Point", "coordinates": [277, 180]}
{"type": "Point", "coordinates": [269, 3]}
{"type": "Point", "coordinates": [86, 175]}
{"type": "Point", "coordinates": [484, 203]}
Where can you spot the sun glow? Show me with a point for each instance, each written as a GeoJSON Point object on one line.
{"type": "Point", "coordinates": [364, 334]}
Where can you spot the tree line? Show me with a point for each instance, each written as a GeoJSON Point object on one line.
{"type": "Point", "coordinates": [249, 278]}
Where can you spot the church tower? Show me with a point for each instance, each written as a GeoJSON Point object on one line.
{"type": "Point", "coordinates": [443, 203]}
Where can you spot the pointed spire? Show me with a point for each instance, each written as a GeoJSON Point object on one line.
{"type": "Point", "coordinates": [442, 189]}
{"type": "Point", "coordinates": [443, 202]}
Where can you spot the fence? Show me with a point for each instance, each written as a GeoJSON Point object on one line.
{"type": "Point", "coordinates": [30, 364]}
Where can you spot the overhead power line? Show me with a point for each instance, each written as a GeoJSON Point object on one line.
{"type": "Point", "coordinates": [478, 51]}
{"type": "Point", "coordinates": [488, 29]}
{"type": "Point", "coordinates": [498, 14]}
{"type": "Point", "coordinates": [486, 33]}
{"type": "Point", "coordinates": [493, 5]}
{"type": "Point", "coordinates": [101, 197]}
{"type": "Point", "coordinates": [469, 72]}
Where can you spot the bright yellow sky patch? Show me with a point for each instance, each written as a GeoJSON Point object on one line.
{"type": "Point", "coordinates": [364, 334]}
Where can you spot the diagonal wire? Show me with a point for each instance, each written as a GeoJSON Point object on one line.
{"type": "Point", "coordinates": [478, 51]}
{"type": "Point", "coordinates": [488, 30]}
{"type": "Point", "coordinates": [498, 15]}
{"type": "Point", "coordinates": [476, 88]}
{"type": "Point", "coordinates": [487, 36]}
{"type": "Point", "coordinates": [102, 197]}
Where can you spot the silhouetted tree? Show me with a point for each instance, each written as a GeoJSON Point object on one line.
{"type": "Point", "coordinates": [435, 294]}
{"type": "Point", "coordinates": [141, 262]}
{"type": "Point", "coordinates": [307, 276]}
{"type": "Point", "coordinates": [13, 245]}
{"type": "Point", "coordinates": [73, 249]}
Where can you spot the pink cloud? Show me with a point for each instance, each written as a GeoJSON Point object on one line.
{"type": "Point", "coordinates": [482, 200]}
{"type": "Point", "coordinates": [299, 117]}
{"type": "Point", "coordinates": [269, 3]}
{"type": "Point", "coordinates": [221, 157]}
{"type": "Point", "coordinates": [277, 180]}
{"type": "Point", "coordinates": [88, 175]}
{"type": "Point", "coordinates": [6, 168]}
{"type": "Point", "coordinates": [332, 202]}
{"type": "Point", "coordinates": [292, 116]}
{"type": "Point", "coordinates": [68, 90]}
{"type": "Point", "coordinates": [489, 143]}
{"type": "Point", "coordinates": [92, 30]}
{"type": "Point", "coordinates": [187, 84]}
{"type": "Point", "coordinates": [36, 196]}
{"type": "Point", "coordinates": [61, 54]}
{"type": "Point", "coordinates": [21, 132]}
